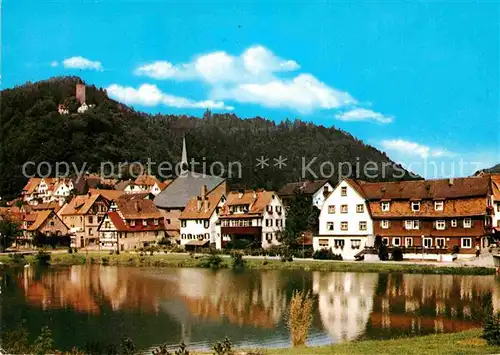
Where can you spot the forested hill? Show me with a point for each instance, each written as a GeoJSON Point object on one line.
{"type": "Point", "coordinates": [33, 130]}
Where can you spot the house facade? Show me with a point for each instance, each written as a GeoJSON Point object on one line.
{"type": "Point", "coordinates": [48, 223]}
{"type": "Point", "coordinates": [495, 204]}
{"type": "Point", "coordinates": [256, 216]}
{"type": "Point", "coordinates": [200, 225]}
{"type": "Point", "coordinates": [83, 215]}
{"type": "Point", "coordinates": [45, 190]}
{"type": "Point", "coordinates": [345, 223]}
{"type": "Point", "coordinates": [131, 224]}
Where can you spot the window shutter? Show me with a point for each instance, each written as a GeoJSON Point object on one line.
{"type": "Point", "coordinates": [434, 225]}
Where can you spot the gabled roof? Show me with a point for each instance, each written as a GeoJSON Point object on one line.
{"type": "Point", "coordinates": [117, 221]}
{"type": "Point", "coordinates": [121, 185]}
{"type": "Point", "coordinates": [138, 209]}
{"type": "Point", "coordinates": [495, 186]}
{"type": "Point", "coordinates": [41, 217]}
{"type": "Point", "coordinates": [307, 187]}
{"type": "Point", "coordinates": [178, 193]}
{"type": "Point", "coordinates": [54, 205]}
{"type": "Point", "coordinates": [148, 180]}
{"type": "Point", "coordinates": [424, 189]}
{"type": "Point", "coordinates": [109, 195]}
{"type": "Point", "coordinates": [79, 205]}
{"type": "Point", "coordinates": [122, 225]}
{"type": "Point", "coordinates": [207, 206]}
{"type": "Point", "coordinates": [256, 199]}
{"type": "Point", "coordinates": [137, 196]}
{"type": "Point", "coordinates": [31, 185]}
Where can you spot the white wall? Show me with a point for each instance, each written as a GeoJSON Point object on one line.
{"type": "Point", "coordinates": [274, 229]}
{"type": "Point", "coordinates": [352, 217]}
{"type": "Point", "coordinates": [194, 228]}
{"type": "Point", "coordinates": [319, 197]}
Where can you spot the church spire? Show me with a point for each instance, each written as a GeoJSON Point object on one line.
{"type": "Point", "coordinates": [184, 159]}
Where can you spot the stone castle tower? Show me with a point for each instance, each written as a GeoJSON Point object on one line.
{"type": "Point", "coordinates": [80, 93]}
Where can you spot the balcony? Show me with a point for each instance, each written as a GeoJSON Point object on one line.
{"type": "Point", "coordinates": [242, 230]}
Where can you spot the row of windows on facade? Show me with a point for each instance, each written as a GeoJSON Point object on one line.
{"type": "Point", "coordinates": [396, 242]}
{"type": "Point", "coordinates": [195, 236]}
{"type": "Point", "coordinates": [205, 222]}
{"type": "Point", "coordinates": [246, 208]}
{"type": "Point", "coordinates": [123, 235]}
{"type": "Point", "coordinates": [439, 224]}
{"type": "Point", "coordinates": [330, 226]}
{"type": "Point", "coordinates": [248, 223]}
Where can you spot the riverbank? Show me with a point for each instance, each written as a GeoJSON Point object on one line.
{"type": "Point", "coordinates": [463, 343]}
{"type": "Point", "coordinates": [261, 263]}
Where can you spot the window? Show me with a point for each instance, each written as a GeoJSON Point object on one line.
{"type": "Point", "coordinates": [385, 241]}
{"type": "Point", "coordinates": [467, 243]}
{"type": "Point", "coordinates": [91, 219]}
{"type": "Point", "coordinates": [498, 223]}
{"type": "Point", "coordinates": [183, 223]}
{"type": "Point", "coordinates": [107, 225]}
{"type": "Point", "coordinates": [190, 236]}
{"type": "Point", "coordinates": [90, 231]}
{"type": "Point", "coordinates": [339, 243]}
{"type": "Point", "coordinates": [360, 208]}
{"type": "Point", "coordinates": [269, 222]}
{"type": "Point", "coordinates": [343, 226]}
{"type": "Point", "coordinates": [362, 225]}
{"type": "Point", "coordinates": [498, 207]}
{"type": "Point", "coordinates": [278, 209]}
{"type": "Point", "coordinates": [440, 224]}
{"type": "Point", "coordinates": [396, 241]}
{"type": "Point", "coordinates": [343, 191]}
{"type": "Point", "coordinates": [384, 224]}
{"type": "Point", "coordinates": [408, 224]}
{"type": "Point", "coordinates": [331, 209]}
{"type": "Point", "coordinates": [155, 222]}
{"type": "Point", "coordinates": [415, 206]}
{"type": "Point", "coordinates": [427, 242]}
{"type": "Point", "coordinates": [52, 223]}
{"type": "Point", "coordinates": [323, 243]}
{"type": "Point", "coordinates": [144, 222]}
{"type": "Point", "coordinates": [441, 242]}
{"type": "Point", "coordinates": [343, 209]}
{"type": "Point", "coordinates": [270, 209]}
{"type": "Point", "coordinates": [207, 236]}
{"type": "Point", "coordinates": [453, 222]}
{"type": "Point", "coordinates": [206, 223]}
{"type": "Point", "coordinates": [408, 242]}
{"type": "Point", "coordinates": [329, 226]}
{"type": "Point", "coordinates": [269, 237]}
{"type": "Point", "coordinates": [168, 221]}
{"type": "Point", "coordinates": [355, 243]}
{"type": "Point", "coordinates": [279, 223]}
{"type": "Point", "coordinates": [132, 223]}
{"type": "Point", "coordinates": [386, 206]}
{"type": "Point", "coordinates": [467, 223]}
{"type": "Point", "coordinates": [416, 224]}
{"type": "Point", "coordinates": [439, 205]}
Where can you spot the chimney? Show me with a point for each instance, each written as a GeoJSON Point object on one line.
{"type": "Point", "coordinates": [450, 181]}
{"type": "Point", "coordinates": [206, 204]}
{"type": "Point", "coordinates": [203, 192]}
{"type": "Point", "coordinates": [199, 202]}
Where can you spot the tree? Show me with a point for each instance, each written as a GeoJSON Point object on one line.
{"type": "Point", "coordinates": [9, 230]}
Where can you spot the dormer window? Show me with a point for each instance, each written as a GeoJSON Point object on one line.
{"type": "Point", "coordinates": [386, 206]}
{"type": "Point", "coordinates": [132, 223]}
{"type": "Point", "coordinates": [343, 191]}
{"type": "Point", "coordinates": [384, 224]}
{"type": "Point", "coordinates": [438, 205]}
{"type": "Point", "coordinates": [415, 206]}
{"type": "Point", "coordinates": [440, 224]}
{"type": "Point", "coordinates": [467, 223]}
{"type": "Point", "coordinates": [144, 222]}
{"type": "Point", "coordinates": [156, 222]}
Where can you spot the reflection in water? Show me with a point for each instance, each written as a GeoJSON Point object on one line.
{"type": "Point", "coordinates": [202, 306]}
{"type": "Point", "coordinates": [345, 301]}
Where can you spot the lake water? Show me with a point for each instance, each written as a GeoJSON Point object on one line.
{"type": "Point", "coordinates": [100, 304]}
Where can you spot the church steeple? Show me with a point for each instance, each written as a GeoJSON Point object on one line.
{"type": "Point", "coordinates": [184, 159]}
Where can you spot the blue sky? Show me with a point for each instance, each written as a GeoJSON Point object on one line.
{"type": "Point", "coordinates": [417, 80]}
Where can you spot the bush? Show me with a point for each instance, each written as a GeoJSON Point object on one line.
{"type": "Point", "coordinates": [300, 317]}
{"type": "Point", "coordinates": [223, 348]}
{"type": "Point", "coordinates": [397, 254]}
{"type": "Point", "coordinates": [455, 249]}
{"type": "Point", "coordinates": [238, 262]}
{"type": "Point", "coordinates": [303, 253]}
{"type": "Point", "coordinates": [383, 254]}
{"type": "Point", "coordinates": [326, 254]}
{"type": "Point", "coordinates": [70, 250]}
{"type": "Point", "coordinates": [42, 258]}
{"type": "Point", "coordinates": [212, 261]}
{"type": "Point", "coordinates": [491, 329]}
{"type": "Point", "coordinates": [17, 259]}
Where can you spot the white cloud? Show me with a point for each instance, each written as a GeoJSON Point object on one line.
{"type": "Point", "coordinates": [54, 64]}
{"type": "Point", "coordinates": [303, 93]}
{"type": "Point", "coordinates": [81, 63]}
{"type": "Point", "coordinates": [362, 114]}
{"type": "Point", "coordinates": [256, 76]}
{"type": "Point", "coordinates": [150, 95]}
{"type": "Point", "coordinates": [414, 149]}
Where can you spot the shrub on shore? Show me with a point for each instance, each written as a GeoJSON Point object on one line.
{"type": "Point", "coordinates": [397, 254]}
{"type": "Point", "coordinates": [300, 317]}
{"type": "Point", "coordinates": [491, 329]}
{"type": "Point", "coordinates": [326, 254]}
{"type": "Point", "coordinates": [42, 258]}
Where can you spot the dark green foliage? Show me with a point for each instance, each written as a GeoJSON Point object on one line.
{"type": "Point", "coordinates": [9, 230]}
{"type": "Point", "coordinates": [70, 250]}
{"type": "Point", "coordinates": [42, 258]}
{"type": "Point", "coordinates": [127, 346]}
{"type": "Point", "coordinates": [238, 262]}
{"type": "Point", "coordinates": [223, 348]}
{"type": "Point", "coordinates": [397, 254]}
{"type": "Point", "coordinates": [17, 259]}
{"type": "Point", "coordinates": [32, 130]}
{"type": "Point", "coordinates": [212, 261]}
{"type": "Point", "coordinates": [455, 249]}
{"type": "Point", "coordinates": [326, 254]}
{"type": "Point", "coordinates": [491, 329]}
{"type": "Point", "coordinates": [383, 253]}
{"type": "Point", "coordinates": [43, 343]}
{"type": "Point", "coordinates": [305, 253]}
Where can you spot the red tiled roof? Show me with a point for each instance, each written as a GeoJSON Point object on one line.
{"type": "Point", "coordinates": [256, 199]}
{"type": "Point", "coordinates": [138, 209]}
